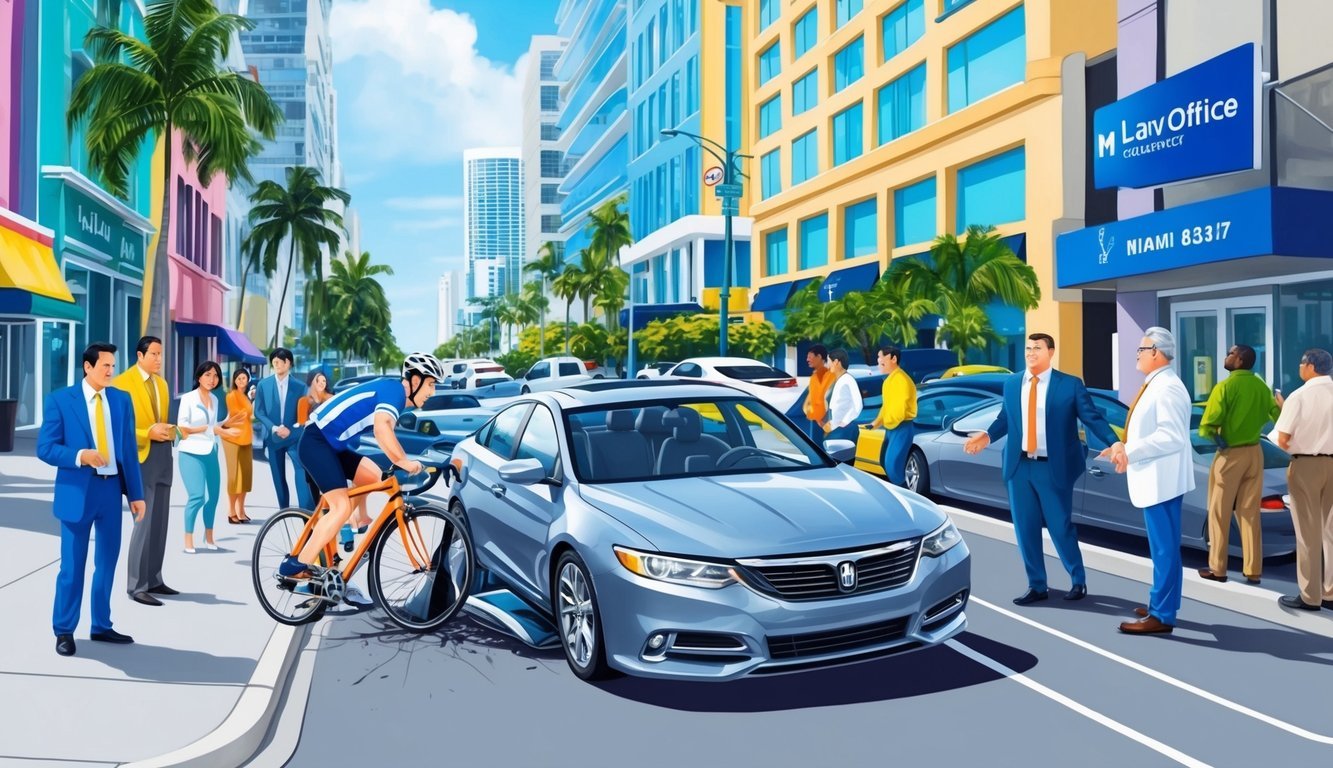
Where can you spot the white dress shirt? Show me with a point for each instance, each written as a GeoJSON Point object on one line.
{"type": "Point", "coordinates": [1043, 386]}
{"type": "Point", "coordinates": [281, 383]}
{"type": "Point", "coordinates": [845, 402]}
{"type": "Point", "coordinates": [1307, 415]}
{"type": "Point", "coordinates": [88, 393]}
{"type": "Point", "coordinates": [193, 413]}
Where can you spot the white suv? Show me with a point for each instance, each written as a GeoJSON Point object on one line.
{"type": "Point", "coordinates": [462, 374]}
{"type": "Point", "coordinates": [554, 373]}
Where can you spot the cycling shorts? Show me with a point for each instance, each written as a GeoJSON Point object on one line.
{"type": "Point", "coordinates": [327, 466]}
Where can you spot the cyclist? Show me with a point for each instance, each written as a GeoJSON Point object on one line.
{"type": "Point", "coordinates": [335, 426]}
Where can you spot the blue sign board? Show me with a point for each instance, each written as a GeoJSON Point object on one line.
{"type": "Point", "coordinates": [1204, 121]}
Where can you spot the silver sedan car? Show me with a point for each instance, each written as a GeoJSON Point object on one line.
{"type": "Point", "coordinates": [938, 465]}
{"type": "Point", "coordinates": [689, 531]}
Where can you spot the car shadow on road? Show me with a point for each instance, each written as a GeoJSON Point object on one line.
{"type": "Point", "coordinates": [920, 673]}
{"type": "Point", "coordinates": [32, 515]}
{"type": "Point", "coordinates": [1280, 643]}
{"type": "Point", "coordinates": [160, 664]}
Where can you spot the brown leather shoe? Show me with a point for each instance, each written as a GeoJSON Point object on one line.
{"type": "Point", "coordinates": [1207, 573]}
{"type": "Point", "coordinates": [1142, 613]}
{"type": "Point", "coordinates": [1149, 625]}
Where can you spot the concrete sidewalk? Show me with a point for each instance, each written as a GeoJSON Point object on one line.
{"type": "Point", "coordinates": [199, 683]}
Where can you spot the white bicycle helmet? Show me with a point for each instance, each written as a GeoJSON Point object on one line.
{"type": "Point", "coordinates": [424, 365]}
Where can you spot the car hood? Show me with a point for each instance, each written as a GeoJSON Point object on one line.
{"type": "Point", "coordinates": [761, 514]}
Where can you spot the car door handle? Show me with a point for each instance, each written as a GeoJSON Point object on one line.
{"type": "Point", "coordinates": [1096, 472]}
{"type": "Point", "coordinates": [497, 491]}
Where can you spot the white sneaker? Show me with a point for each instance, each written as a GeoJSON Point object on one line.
{"type": "Point", "coordinates": [189, 550]}
{"type": "Point", "coordinates": [356, 597]}
{"type": "Point", "coordinates": [210, 547]}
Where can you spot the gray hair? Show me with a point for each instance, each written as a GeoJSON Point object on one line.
{"type": "Point", "coordinates": [1320, 359]}
{"type": "Point", "coordinates": [1162, 341]}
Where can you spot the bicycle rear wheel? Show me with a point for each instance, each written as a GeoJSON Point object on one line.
{"type": "Point", "coordinates": [421, 580]}
{"type": "Point", "coordinates": [274, 542]}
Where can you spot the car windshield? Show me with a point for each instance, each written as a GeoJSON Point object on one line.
{"type": "Point", "coordinates": [447, 402]}
{"type": "Point", "coordinates": [751, 372]}
{"type": "Point", "coordinates": [686, 438]}
{"type": "Point", "coordinates": [486, 381]}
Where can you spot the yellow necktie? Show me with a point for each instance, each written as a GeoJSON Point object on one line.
{"type": "Point", "coordinates": [152, 396]}
{"type": "Point", "coordinates": [1031, 447]}
{"type": "Point", "coordinates": [100, 423]}
{"type": "Point", "coordinates": [1130, 415]}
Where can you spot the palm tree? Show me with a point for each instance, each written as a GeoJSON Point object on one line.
{"type": "Point", "coordinates": [488, 306]}
{"type": "Point", "coordinates": [532, 306]}
{"type": "Point", "coordinates": [359, 310]}
{"type": "Point", "coordinates": [900, 311]}
{"type": "Point", "coordinates": [608, 230]}
{"type": "Point", "coordinates": [299, 214]}
{"type": "Point", "coordinates": [546, 267]}
{"type": "Point", "coordinates": [968, 328]}
{"type": "Point", "coordinates": [568, 285]}
{"type": "Point", "coordinates": [170, 83]}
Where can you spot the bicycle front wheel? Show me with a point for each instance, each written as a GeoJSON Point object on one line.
{"type": "Point", "coordinates": [278, 597]}
{"type": "Point", "coordinates": [420, 572]}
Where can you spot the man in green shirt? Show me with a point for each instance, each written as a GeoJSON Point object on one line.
{"type": "Point", "coordinates": [1237, 410]}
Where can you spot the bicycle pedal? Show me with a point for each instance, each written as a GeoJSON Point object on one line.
{"type": "Point", "coordinates": [348, 546]}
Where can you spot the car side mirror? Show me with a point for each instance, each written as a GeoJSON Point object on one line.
{"type": "Point", "coordinates": [408, 421]}
{"type": "Point", "coordinates": [840, 450]}
{"type": "Point", "coordinates": [523, 471]}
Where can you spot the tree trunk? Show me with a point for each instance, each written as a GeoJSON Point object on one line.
{"type": "Point", "coordinates": [568, 302]}
{"type": "Point", "coordinates": [159, 299]}
{"type": "Point", "coordinates": [291, 261]}
{"type": "Point", "coordinates": [240, 305]}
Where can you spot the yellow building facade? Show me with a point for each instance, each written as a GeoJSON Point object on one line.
{"type": "Point", "coordinates": [983, 99]}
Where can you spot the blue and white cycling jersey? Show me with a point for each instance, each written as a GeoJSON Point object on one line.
{"type": "Point", "coordinates": [348, 414]}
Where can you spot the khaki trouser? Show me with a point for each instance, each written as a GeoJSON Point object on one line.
{"type": "Point", "coordinates": [1236, 481]}
{"type": "Point", "coordinates": [1310, 479]}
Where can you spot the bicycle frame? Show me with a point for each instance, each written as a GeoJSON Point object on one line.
{"type": "Point", "coordinates": [413, 543]}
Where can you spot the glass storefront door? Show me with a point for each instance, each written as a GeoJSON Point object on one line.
{"type": "Point", "coordinates": [1197, 351]}
{"type": "Point", "coordinates": [18, 341]}
{"type": "Point", "coordinates": [1206, 330]}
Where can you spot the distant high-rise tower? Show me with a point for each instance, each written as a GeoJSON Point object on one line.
{"type": "Point", "coordinates": [543, 160]}
{"type": "Point", "coordinates": [450, 303]}
{"type": "Point", "coordinates": [493, 219]}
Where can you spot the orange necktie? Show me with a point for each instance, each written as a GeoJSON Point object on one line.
{"type": "Point", "coordinates": [1030, 446]}
{"type": "Point", "coordinates": [1130, 415]}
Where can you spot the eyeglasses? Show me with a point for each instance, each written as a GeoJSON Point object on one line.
{"type": "Point", "coordinates": [1143, 349]}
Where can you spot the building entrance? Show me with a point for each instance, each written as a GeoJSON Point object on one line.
{"type": "Point", "coordinates": [1205, 330]}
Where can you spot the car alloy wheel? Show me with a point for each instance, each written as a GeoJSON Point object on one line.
{"type": "Point", "coordinates": [577, 619]}
{"type": "Point", "coordinates": [915, 474]}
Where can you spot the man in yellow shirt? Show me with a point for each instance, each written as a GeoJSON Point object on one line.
{"type": "Point", "coordinates": [816, 398]}
{"type": "Point", "coordinates": [895, 415]}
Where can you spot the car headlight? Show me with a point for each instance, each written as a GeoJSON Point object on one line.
{"type": "Point", "coordinates": [941, 540]}
{"type": "Point", "coordinates": [676, 570]}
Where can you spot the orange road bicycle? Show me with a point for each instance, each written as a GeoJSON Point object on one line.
{"type": "Point", "coordinates": [419, 554]}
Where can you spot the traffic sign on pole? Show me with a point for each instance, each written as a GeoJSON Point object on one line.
{"type": "Point", "coordinates": [729, 190]}
{"type": "Point", "coordinates": [713, 175]}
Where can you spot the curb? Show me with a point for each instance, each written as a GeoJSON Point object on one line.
{"type": "Point", "coordinates": [1252, 601]}
{"type": "Point", "coordinates": [242, 732]}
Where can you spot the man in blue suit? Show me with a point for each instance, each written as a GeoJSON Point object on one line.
{"type": "Point", "coordinates": [88, 436]}
{"type": "Point", "coordinates": [275, 408]}
{"type": "Point", "coordinates": [1043, 461]}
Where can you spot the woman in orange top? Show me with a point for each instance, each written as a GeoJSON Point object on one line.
{"type": "Point", "coordinates": [239, 450]}
{"type": "Point", "coordinates": [317, 391]}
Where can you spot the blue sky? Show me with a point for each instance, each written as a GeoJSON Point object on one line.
{"type": "Point", "coordinates": [418, 82]}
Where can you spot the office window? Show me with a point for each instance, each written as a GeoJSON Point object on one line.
{"type": "Point", "coordinates": [769, 10]}
{"type": "Point", "coordinates": [992, 191]}
{"type": "Point", "coordinates": [550, 132]}
{"type": "Point", "coordinates": [770, 62]}
{"type": "Point", "coordinates": [846, 9]}
{"type": "Point", "coordinates": [550, 98]}
{"type": "Point", "coordinates": [770, 116]}
{"type": "Point", "coordinates": [550, 223]}
{"type": "Point", "coordinates": [770, 169]}
{"type": "Point", "coordinates": [914, 213]}
{"type": "Point", "coordinates": [859, 229]}
{"type": "Point", "coordinates": [902, 105]}
{"type": "Point", "coordinates": [903, 26]}
{"type": "Point", "coordinates": [849, 64]}
{"type": "Point", "coordinates": [551, 194]}
{"type": "Point", "coordinates": [805, 92]}
{"type": "Point", "coordinates": [805, 157]}
{"type": "Point", "coordinates": [775, 252]}
{"type": "Point", "coordinates": [949, 6]}
{"type": "Point", "coordinates": [848, 138]}
{"type": "Point", "coordinates": [814, 241]}
{"type": "Point", "coordinates": [991, 59]}
{"type": "Point", "coordinates": [806, 32]}
{"type": "Point", "coordinates": [692, 86]}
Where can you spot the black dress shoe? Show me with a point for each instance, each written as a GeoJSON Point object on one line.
{"type": "Point", "coordinates": [65, 645]}
{"type": "Point", "coordinates": [1207, 573]}
{"type": "Point", "coordinates": [1251, 579]}
{"type": "Point", "coordinates": [1295, 601]}
{"type": "Point", "coordinates": [163, 590]}
{"type": "Point", "coordinates": [111, 636]}
{"type": "Point", "coordinates": [1031, 596]}
{"type": "Point", "coordinates": [145, 598]}
{"type": "Point", "coordinates": [1077, 592]}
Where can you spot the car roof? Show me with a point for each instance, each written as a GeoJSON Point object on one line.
{"type": "Point", "coordinates": [724, 361]}
{"type": "Point", "coordinates": [635, 391]}
{"type": "Point", "coordinates": [985, 382]}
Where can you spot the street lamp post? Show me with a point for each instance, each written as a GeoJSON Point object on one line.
{"type": "Point", "coordinates": [629, 339]}
{"type": "Point", "coordinates": [729, 192]}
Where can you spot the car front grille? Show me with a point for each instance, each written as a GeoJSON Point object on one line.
{"type": "Point", "coordinates": [817, 578]}
{"type": "Point", "coordinates": [782, 647]}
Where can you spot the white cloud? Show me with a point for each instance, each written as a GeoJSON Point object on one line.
{"type": "Point", "coordinates": [426, 93]}
{"type": "Point", "coordinates": [436, 203]}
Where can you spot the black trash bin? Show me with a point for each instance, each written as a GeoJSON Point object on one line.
{"type": "Point", "coordinates": [9, 412]}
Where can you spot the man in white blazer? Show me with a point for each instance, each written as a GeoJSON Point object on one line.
{"type": "Point", "coordinates": [1160, 464]}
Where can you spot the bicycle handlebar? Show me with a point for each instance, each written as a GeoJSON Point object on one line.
{"type": "Point", "coordinates": [434, 464]}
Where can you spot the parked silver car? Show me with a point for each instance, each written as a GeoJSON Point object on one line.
{"type": "Point", "coordinates": [938, 465]}
{"type": "Point", "coordinates": [683, 530]}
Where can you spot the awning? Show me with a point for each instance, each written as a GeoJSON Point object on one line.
{"type": "Point", "coordinates": [844, 281]}
{"type": "Point", "coordinates": [646, 313]}
{"type": "Point", "coordinates": [230, 343]}
{"type": "Point", "coordinates": [772, 297]}
{"type": "Point", "coordinates": [29, 265]}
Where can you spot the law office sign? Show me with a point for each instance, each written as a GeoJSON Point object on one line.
{"type": "Point", "coordinates": [1204, 121]}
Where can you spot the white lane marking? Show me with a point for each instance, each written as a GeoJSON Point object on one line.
{"type": "Point", "coordinates": [1294, 730]}
{"type": "Point", "coordinates": [1065, 701]}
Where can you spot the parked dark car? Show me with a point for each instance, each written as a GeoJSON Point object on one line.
{"type": "Point", "coordinates": [352, 381]}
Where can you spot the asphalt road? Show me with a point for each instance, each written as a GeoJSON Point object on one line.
{"type": "Point", "coordinates": [1052, 684]}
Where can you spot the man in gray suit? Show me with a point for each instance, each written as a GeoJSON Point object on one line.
{"type": "Point", "coordinates": [275, 408]}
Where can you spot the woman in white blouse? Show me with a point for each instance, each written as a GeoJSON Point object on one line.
{"type": "Point", "coordinates": [845, 401]}
{"type": "Point", "coordinates": [200, 427]}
